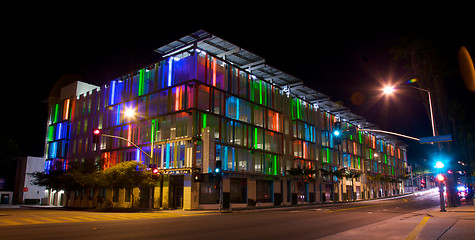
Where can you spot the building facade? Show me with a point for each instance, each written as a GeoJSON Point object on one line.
{"type": "Point", "coordinates": [208, 103]}
{"type": "Point", "coordinates": [25, 192]}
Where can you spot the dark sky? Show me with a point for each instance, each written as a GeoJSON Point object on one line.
{"type": "Point", "coordinates": [337, 58]}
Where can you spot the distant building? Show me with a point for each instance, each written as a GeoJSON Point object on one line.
{"type": "Point", "coordinates": [25, 192]}
{"type": "Point", "coordinates": [209, 103]}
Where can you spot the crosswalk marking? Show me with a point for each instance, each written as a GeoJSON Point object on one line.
{"type": "Point", "coordinates": [86, 218]}
{"type": "Point", "coordinates": [69, 219]}
{"type": "Point", "coordinates": [10, 222]}
{"type": "Point", "coordinates": [90, 218]}
{"type": "Point", "coordinates": [31, 220]}
{"type": "Point", "coordinates": [49, 219]}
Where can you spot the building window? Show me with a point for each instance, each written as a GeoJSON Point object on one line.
{"type": "Point", "coordinates": [238, 192]}
{"type": "Point", "coordinates": [264, 191]}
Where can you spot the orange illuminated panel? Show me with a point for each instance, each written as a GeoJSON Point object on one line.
{"type": "Point", "coordinates": [66, 109]}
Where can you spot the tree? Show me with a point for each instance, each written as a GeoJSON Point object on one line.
{"type": "Point", "coordinates": [427, 60]}
{"type": "Point", "coordinates": [353, 175]}
{"type": "Point", "coordinates": [302, 175]}
{"type": "Point", "coordinates": [78, 176]}
{"type": "Point", "coordinates": [127, 175]}
{"type": "Point", "coordinates": [9, 153]}
{"type": "Point", "coordinates": [87, 176]}
{"type": "Point", "coordinates": [330, 174]}
{"type": "Point", "coordinates": [53, 180]}
{"type": "Point", "coordinates": [432, 60]}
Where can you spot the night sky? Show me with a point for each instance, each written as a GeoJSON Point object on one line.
{"type": "Point", "coordinates": [338, 59]}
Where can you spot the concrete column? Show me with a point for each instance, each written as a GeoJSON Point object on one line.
{"type": "Point", "coordinates": [165, 190]}
{"type": "Point", "coordinates": [156, 197]}
{"type": "Point", "coordinates": [187, 192]}
{"type": "Point", "coordinates": [251, 189]}
{"type": "Point", "coordinates": [191, 197]}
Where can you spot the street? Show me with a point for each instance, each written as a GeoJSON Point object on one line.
{"type": "Point", "coordinates": [390, 218]}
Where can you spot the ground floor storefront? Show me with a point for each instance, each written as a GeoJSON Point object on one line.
{"type": "Point", "coordinates": [183, 190]}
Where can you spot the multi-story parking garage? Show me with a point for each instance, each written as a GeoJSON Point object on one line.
{"type": "Point", "coordinates": [210, 103]}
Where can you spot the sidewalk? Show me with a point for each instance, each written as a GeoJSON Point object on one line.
{"type": "Point", "coordinates": [455, 223]}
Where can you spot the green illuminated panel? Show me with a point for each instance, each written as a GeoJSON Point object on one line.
{"type": "Point", "coordinates": [141, 82]}
{"type": "Point", "coordinates": [56, 113]}
{"type": "Point", "coordinates": [153, 131]}
{"type": "Point", "coordinates": [255, 138]}
{"type": "Point", "coordinates": [50, 133]}
{"type": "Point", "coordinates": [298, 108]}
{"type": "Point", "coordinates": [275, 165]}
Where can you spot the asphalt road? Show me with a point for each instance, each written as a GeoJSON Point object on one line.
{"type": "Point", "coordinates": [288, 223]}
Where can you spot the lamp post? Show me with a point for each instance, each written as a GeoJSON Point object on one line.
{"type": "Point", "coordinates": [440, 178]}
{"type": "Point", "coordinates": [131, 114]}
{"type": "Point", "coordinates": [439, 165]}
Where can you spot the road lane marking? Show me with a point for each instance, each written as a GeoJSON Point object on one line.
{"type": "Point", "coordinates": [415, 232]}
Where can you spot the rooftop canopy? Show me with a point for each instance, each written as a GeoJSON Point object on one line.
{"type": "Point", "coordinates": [256, 65]}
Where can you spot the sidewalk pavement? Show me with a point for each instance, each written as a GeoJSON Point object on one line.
{"type": "Point", "coordinates": [455, 223]}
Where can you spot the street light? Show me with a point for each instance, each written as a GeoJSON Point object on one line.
{"type": "Point", "coordinates": [388, 89]}
{"type": "Point", "coordinates": [130, 113]}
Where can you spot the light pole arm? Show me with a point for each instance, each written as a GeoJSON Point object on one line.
{"type": "Point", "coordinates": [121, 138]}
{"type": "Point", "coordinates": [430, 105]}
{"type": "Point", "coordinates": [388, 132]}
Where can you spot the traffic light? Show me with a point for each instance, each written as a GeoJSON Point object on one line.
{"type": "Point", "coordinates": [155, 170]}
{"type": "Point", "coordinates": [423, 183]}
{"type": "Point", "coordinates": [96, 134]}
{"type": "Point", "coordinates": [217, 169]}
{"type": "Point", "coordinates": [440, 177]}
{"type": "Point", "coordinates": [337, 132]}
{"type": "Point", "coordinates": [197, 177]}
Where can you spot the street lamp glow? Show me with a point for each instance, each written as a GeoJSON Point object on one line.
{"type": "Point", "coordinates": [388, 89]}
{"type": "Point", "coordinates": [129, 113]}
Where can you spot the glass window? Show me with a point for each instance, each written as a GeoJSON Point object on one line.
{"type": "Point", "coordinates": [208, 193]}
{"type": "Point", "coordinates": [203, 97]}
{"type": "Point", "coordinates": [238, 190]}
{"type": "Point", "coordinates": [263, 191]}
